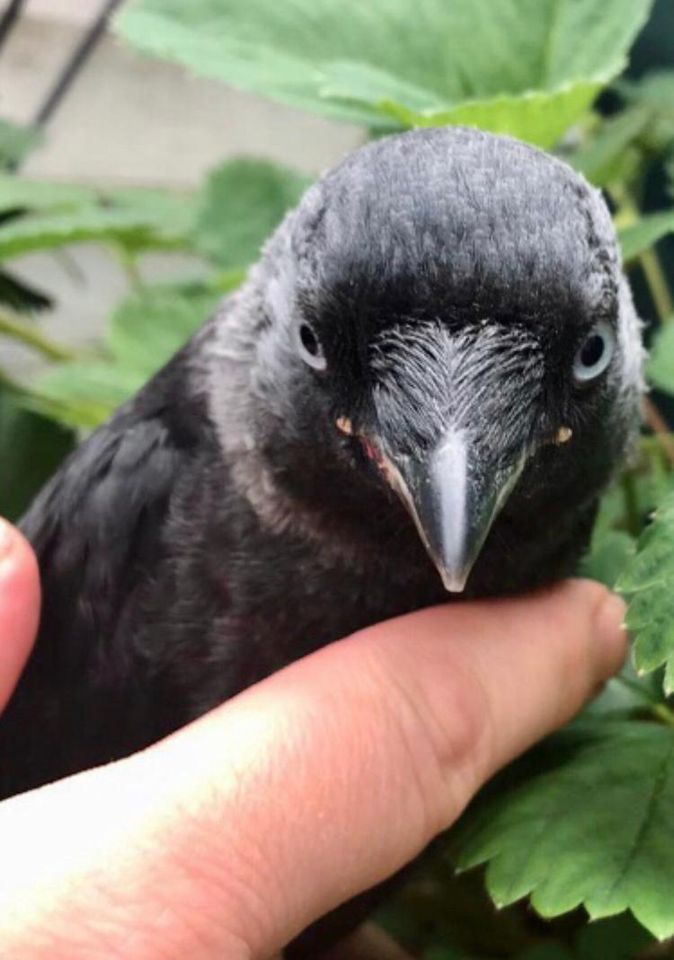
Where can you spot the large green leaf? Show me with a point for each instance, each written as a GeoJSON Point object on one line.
{"type": "Point", "coordinates": [583, 820]}
{"type": "Point", "coordinates": [526, 67]}
{"type": "Point", "coordinates": [31, 448]}
{"type": "Point", "coordinates": [648, 582]}
{"type": "Point", "coordinates": [241, 203]}
{"type": "Point", "coordinates": [644, 233]}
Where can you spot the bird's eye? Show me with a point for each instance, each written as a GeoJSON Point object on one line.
{"type": "Point", "coordinates": [310, 347]}
{"type": "Point", "coordinates": [595, 353]}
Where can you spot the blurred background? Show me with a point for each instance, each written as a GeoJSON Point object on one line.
{"type": "Point", "coordinates": [129, 121]}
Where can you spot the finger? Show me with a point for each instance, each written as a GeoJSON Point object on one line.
{"type": "Point", "coordinates": [233, 835]}
{"type": "Point", "coordinates": [19, 606]}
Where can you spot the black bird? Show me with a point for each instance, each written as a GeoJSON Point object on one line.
{"type": "Point", "coordinates": [422, 386]}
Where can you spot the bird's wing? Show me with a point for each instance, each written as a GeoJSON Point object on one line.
{"type": "Point", "coordinates": [99, 523]}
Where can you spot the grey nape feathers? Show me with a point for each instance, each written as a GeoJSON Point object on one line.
{"type": "Point", "coordinates": [422, 386]}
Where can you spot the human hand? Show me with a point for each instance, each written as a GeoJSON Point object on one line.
{"type": "Point", "coordinates": [229, 837]}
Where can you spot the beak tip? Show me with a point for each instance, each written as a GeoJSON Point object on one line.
{"type": "Point", "coordinates": [454, 581]}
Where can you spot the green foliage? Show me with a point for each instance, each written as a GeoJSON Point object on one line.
{"type": "Point", "coordinates": [55, 215]}
{"type": "Point", "coordinates": [649, 583]}
{"type": "Point", "coordinates": [608, 156]}
{"type": "Point", "coordinates": [526, 67]}
{"type": "Point", "coordinates": [145, 331]}
{"type": "Point", "coordinates": [583, 820]}
{"type": "Point", "coordinates": [641, 235]}
{"type": "Point", "coordinates": [240, 204]}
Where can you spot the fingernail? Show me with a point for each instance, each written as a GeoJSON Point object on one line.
{"type": "Point", "coordinates": [6, 538]}
{"type": "Point", "coordinates": [609, 621]}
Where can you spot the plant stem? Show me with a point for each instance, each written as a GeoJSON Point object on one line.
{"type": "Point", "coordinates": [660, 428]}
{"type": "Point", "coordinates": [657, 285]}
{"type": "Point", "coordinates": [129, 264]}
{"type": "Point", "coordinates": [32, 337]}
{"type": "Point", "coordinates": [648, 260]}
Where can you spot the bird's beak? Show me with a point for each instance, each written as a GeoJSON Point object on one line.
{"type": "Point", "coordinates": [453, 492]}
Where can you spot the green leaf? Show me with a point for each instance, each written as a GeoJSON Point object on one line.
{"type": "Point", "coordinates": [653, 93]}
{"type": "Point", "coordinates": [608, 557]}
{"type": "Point", "coordinates": [660, 366]}
{"type": "Point", "coordinates": [606, 157]}
{"type": "Point", "coordinates": [583, 820]}
{"type": "Point", "coordinates": [60, 214]}
{"type": "Point", "coordinates": [31, 448]}
{"type": "Point", "coordinates": [16, 142]}
{"type": "Point", "coordinates": [83, 394]}
{"type": "Point", "coordinates": [145, 331]}
{"type": "Point", "coordinates": [148, 328]}
{"type": "Point", "coordinates": [648, 582]}
{"type": "Point", "coordinates": [644, 233]}
{"type": "Point", "coordinates": [526, 67]}
{"type": "Point", "coordinates": [133, 229]}
{"type": "Point", "coordinates": [241, 203]}
{"type": "Point", "coordinates": [43, 196]}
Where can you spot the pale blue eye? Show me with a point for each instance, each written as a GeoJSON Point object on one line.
{"type": "Point", "coordinates": [595, 353]}
{"type": "Point", "coordinates": [310, 347]}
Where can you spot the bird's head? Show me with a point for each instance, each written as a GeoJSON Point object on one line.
{"type": "Point", "coordinates": [443, 320]}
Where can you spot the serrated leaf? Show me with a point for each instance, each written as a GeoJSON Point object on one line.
{"type": "Point", "coordinates": [648, 582]}
{"type": "Point", "coordinates": [536, 116]}
{"type": "Point", "coordinates": [16, 142]}
{"type": "Point", "coordinates": [583, 820]}
{"type": "Point", "coordinates": [241, 203]}
{"type": "Point", "coordinates": [526, 67]}
{"type": "Point", "coordinates": [660, 365]}
{"type": "Point", "coordinates": [644, 233]}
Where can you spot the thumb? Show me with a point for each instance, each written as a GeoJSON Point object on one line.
{"type": "Point", "coordinates": [19, 606]}
{"type": "Point", "coordinates": [231, 836]}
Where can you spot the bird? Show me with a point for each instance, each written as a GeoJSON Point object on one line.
{"type": "Point", "coordinates": [418, 394]}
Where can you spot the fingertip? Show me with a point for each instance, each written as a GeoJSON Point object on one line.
{"type": "Point", "coordinates": [19, 605]}
{"type": "Point", "coordinates": [612, 638]}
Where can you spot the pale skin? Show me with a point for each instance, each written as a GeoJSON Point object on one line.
{"type": "Point", "coordinates": [226, 839]}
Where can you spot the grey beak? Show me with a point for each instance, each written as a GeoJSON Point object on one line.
{"type": "Point", "coordinates": [454, 493]}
